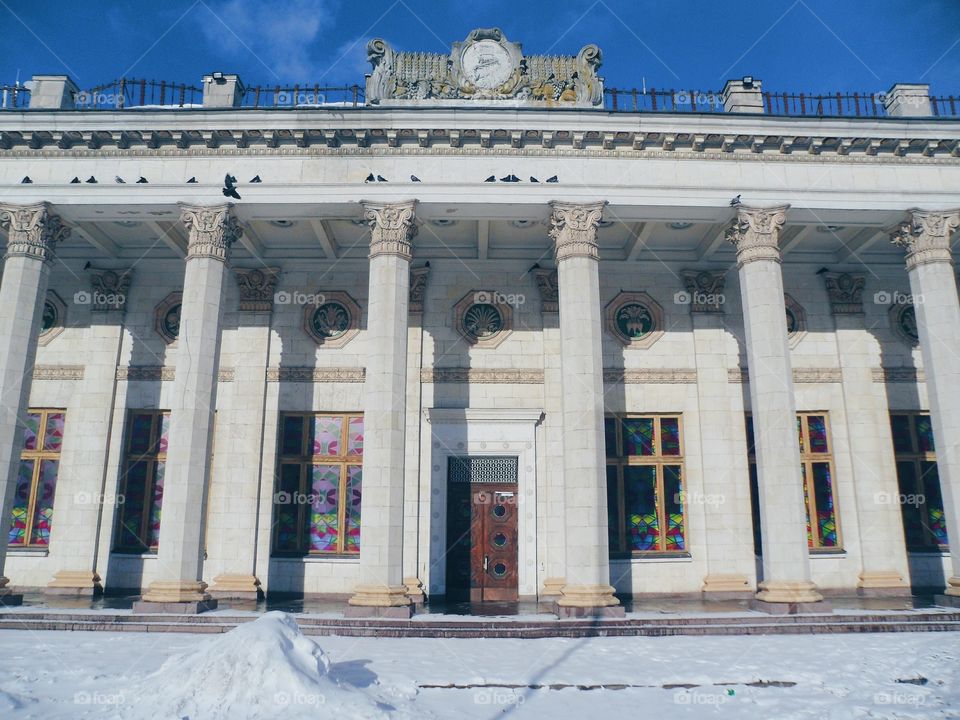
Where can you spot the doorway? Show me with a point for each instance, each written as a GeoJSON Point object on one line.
{"type": "Point", "coordinates": [482, 515]}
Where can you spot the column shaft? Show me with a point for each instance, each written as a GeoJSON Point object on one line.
{"type": "Point", "coordinates": [926, 238]}
{"type": "Point", "coordinates": [32, 233]}
{"type": "Point", "coordinates": [381, 589]}
{"type": "Point", "coordinates": [786, 561]}
{"type": "Point", "coordinates": [587, 589]}
{"type": "Point", "coordinates": [212, 230]}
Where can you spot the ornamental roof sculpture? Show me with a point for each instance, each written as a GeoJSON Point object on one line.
{"type": "Point", "coordinates": [485, 68]}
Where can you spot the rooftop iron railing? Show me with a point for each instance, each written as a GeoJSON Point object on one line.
{"type": "Point", "coordinates": [16, 96]}
{"type": "Point", "coordinates": [142, 93]}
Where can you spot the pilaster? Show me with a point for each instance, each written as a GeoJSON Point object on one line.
{"type": "Point", "coordinates": [755, 233]}
{"type": "Point", "coordinates": [925, 237]}
{"type": "Point", "coordinates": [212, 231]}
{"type": "Point", "coordinates": [382, 590]}
{"type": "Point", "coordinates": [32, 234]}
{"type": "Point", "coordinates": [79, 507]}
{"type": "Point", "coordinates": [240, 439]}
{"type": "Point", "coordinates": [883, 553]}
{"type": "Point", "coordinates": [587, 590]}
{"type": "Point", "coordinates": [730, 558]}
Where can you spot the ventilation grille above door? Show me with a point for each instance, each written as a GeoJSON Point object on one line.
{"type": "Point", "coordinates": [482, 469]}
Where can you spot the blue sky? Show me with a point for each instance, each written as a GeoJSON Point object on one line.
{"type": "Point", "coordinates": [792, 45]}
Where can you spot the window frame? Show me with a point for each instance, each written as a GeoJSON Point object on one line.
{"type": "Point", "coordinates": [37, 455]}
{"type": "Point", "coordinates": [620, 461]}
{"type": "Point", "coordinates": [152, 457]}
{"type": "Point", "coordinates": [917, 457]}
{"type": "Point", "coordinates": [306, 460]}
{"type": "Point", "coordinates": [807, 460]}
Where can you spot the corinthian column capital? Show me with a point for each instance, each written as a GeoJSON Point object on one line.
{"type": "Point", "coordinates": [392, 228]}
{"type": "Point", "coordinates": [925, 235]}
{"type": "Point", "coordinates": [573, 228]}
{"type": "Point", "coordinates": [33, 230]}
{"type": "Point", "coordinates": [755, 232]}
{"type": "Point", "coordinates": [212, 230]}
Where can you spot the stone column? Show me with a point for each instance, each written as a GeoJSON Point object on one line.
{"type": "Point", "coordinates": [883, 551]}
{"type": "Point", "coordinates": [926, 238]}
{"type": "Point", "coordinates": [381, 590]}
{"type": "Point", "coordinates": [726, 488]}
{"type": "Point", "coordinates": [587, 590]}
{"type": "Point", "coordinates": [786, 585]}
{"type": "Point", "coordinates": [80, 497]}
{"type": "Point", "coordinates": [239, 448]}
{"type": "Point", "coordinates": [212, 230]}
{"type": "Point", "coordinates": [32, 233]}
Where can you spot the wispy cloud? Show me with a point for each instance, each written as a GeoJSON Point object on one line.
{"type": "Point", "coordinates": [285, 36]}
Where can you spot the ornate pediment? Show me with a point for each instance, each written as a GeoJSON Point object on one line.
{"type": "Point", "coordinates": [486, 67]}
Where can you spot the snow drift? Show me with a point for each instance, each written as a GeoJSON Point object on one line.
{"type": "Point", "coordinates": [262, 669]}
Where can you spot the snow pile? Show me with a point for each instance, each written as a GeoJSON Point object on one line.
{"type": "Point", "coordinates": [262, 669]}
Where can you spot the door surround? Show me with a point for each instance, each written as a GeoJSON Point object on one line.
{"type": "Point", "coordinates": [480, 432]}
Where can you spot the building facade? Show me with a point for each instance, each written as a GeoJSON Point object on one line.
{"type": "Point", "coordinates": [478, 336]}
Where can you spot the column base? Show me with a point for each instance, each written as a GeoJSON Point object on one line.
{"type": "Point", "coordinates": [882, 583]}
{"type": "Point", "coordinates": [79, 583]}
{"type": "Point", "coordinates": [414, 590]}
{"type": "Point", "coordinates": [784, 591]}
{"type": "Point", "coordinates": [553, 587]}
{"type": "Point", "coordinates": [379, 601]}
{"type": "Point", "coordinates": [588, 601]}
{"type": "Point", "coordinates": [950, 596]}
{"type": "Point", "coordinates": [726, 587]}
{"type": "Point", "coordinates": [176, 597]}
{"type": "Point", "coordinates": [236, 587]}
{"type": "Point", "coordinates": [7, 597]}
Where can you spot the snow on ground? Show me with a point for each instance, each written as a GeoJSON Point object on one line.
{"type": "Point", "coordinates": [267, 669]}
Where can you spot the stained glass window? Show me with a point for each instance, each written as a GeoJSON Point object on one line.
{"type": "Point", "coordinates": [140, 497]}
{"type": "Point", "coordinates": [645, 512]}
{"type": "Point", "coordinates": [36, 485]}
{"type": "Point", "coordinates": [921, 503]}
{"type": "Point", "coordinates": [319, 478]}
{"type": "Point", "coordinates": [817, 475]}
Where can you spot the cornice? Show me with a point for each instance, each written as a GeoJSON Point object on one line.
{"type": "Point", "coordinates": [318, 375]}
{"type": "Point", "coordinates": [57, 372]}
{"type": "Point", "coordinates": [800, 375]}
{"type": "Point", "coordinates": [531, 141]}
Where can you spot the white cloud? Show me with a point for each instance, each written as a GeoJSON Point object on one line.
{"type": "Point", "coordinates": [283, 35]}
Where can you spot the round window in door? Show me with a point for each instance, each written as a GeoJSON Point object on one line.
{"type": "Point", "coordinates": [499, 570]}
{"type": "Point", "coordinates": [499, 511]}
{"type": "Point", "coordinates": [499, 540]}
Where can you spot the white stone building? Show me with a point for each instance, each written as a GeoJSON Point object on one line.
{"type": "Point", "coordinates": [479, 334]}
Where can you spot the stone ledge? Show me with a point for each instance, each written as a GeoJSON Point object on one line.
{"type": "Point", "coordinates": [820, 607]}
{"type": "Point", "coordinates": [174, 608]}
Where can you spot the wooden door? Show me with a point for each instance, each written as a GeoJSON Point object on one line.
{"type": "Point", "coordinates": [493, 533]}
